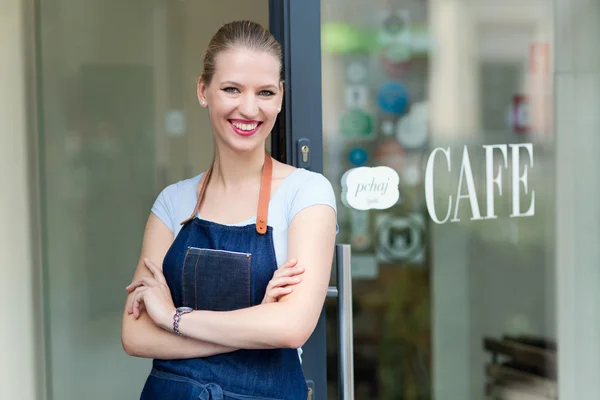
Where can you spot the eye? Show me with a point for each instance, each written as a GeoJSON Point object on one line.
{"type": "Point", "coordinates": [230, 89]}
{"type": "Point", "coordinates": [267, 93]}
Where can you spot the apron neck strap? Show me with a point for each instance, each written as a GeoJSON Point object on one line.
{"type": "Point", "coordinates": [265, 195]}
{"type": "Point", "coordinates": [263, 199]}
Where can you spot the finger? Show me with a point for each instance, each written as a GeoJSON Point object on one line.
{"type": "Point", "coordinates": [298, 269]}
{"type": "Point", "coordinates": [285, 268]}
{"type": "Point", "coordinates": [145, 281]}
{"type": "Point", "coordinates": [289, 272]}
{"type": "Point", "coordinates": [157, 272]}
{"type": "Point", "coordinates": [280, 280]}
{"type": "Point", "coordinates": [285, 281]}
{"type": "Point", "coordinates": [136, 308]}
{"type": "Point", "coordinates": [132, 300]}
{"type": "Point", "coordinates": [131, 303]}
{"type": "Point", "coordinates": [139, 298]}
{"type": "Point", "coordinates": [134, 285]}
{"type": "Point", "coordinates": [141, 307]}
{"type": "Point", "coordinates": [276, 293]}
{"type": "Point", "coordinates": [288, 278]}
{"type": "Point", "coordinates": [289, 263]}
{"type": "Point", "coordinates": [273, 295]}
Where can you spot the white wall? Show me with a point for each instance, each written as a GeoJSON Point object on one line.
{"type": "Point", "coordinates": [19, 355]}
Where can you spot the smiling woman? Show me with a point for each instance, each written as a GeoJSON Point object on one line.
{"type": "Point", "coordinates": [235, 261]}
{"type": "Point", "coordinates": [245, 91]}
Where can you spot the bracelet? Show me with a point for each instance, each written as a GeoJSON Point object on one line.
{"type": "Point", "coordinates": [177, 317]}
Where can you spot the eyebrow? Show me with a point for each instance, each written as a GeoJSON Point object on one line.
{"type": "Point", "coordinates": [232, 83]}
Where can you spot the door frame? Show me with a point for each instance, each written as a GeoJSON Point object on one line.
{"type": "Point", "coordinates": [296, 24]}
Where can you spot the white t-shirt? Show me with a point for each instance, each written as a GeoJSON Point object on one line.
{"type": "Point", "coordinates": [299, 190]}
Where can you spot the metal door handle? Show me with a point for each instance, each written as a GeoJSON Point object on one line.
{"type": "Point", "coordinates": [343, 292]}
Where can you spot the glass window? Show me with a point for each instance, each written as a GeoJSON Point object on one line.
{"type": "Point", "coordinates": [454, 272]}
{"type": "Point", "coordinates": [119, 122]}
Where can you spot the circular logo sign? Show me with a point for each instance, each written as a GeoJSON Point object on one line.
{"type": "Point", "coordinates": [390, 153]}
{"type": "Point", "coordinates": [412, 129]}
{"type": "Point", "coordinates": [358, 156]}
{"type": "Point", "coordinates": [393, 98]}
{"type": "Point", "coordinates": [396, 60]}
{"type": "Point", "coordinates": [356, 123]}
{"type": "Point", "coordinates": [356, 72]}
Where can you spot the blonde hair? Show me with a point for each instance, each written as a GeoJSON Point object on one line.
{"type": "Point", "coordinates": [239, 34]}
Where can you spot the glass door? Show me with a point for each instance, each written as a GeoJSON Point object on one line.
{"type": "Point", "coordinates": [119, 121]}
{"type": "Point", "coordinates": [437, 137]}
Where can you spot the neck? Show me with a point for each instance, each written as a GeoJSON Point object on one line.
{"type": "Point", "coordinates": [232, 168]}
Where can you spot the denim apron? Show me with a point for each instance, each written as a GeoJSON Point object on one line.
{"type": "Point", "coordinates": [218, 267]}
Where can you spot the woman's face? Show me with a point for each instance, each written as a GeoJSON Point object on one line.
{"type": "Point", "coordinates": [243, 98]}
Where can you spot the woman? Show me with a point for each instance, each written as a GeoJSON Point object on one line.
{"type": "Point", "coordinates": [220, 319]}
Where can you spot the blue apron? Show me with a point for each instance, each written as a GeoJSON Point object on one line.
{"type": "Point", "coordinates": [218, 267]}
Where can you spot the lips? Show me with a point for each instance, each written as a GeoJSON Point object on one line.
{"type": "Point", "coordinates": [245, 127]}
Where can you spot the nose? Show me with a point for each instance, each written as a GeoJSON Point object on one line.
{"type": "Point", "coordinates": [248, 106]}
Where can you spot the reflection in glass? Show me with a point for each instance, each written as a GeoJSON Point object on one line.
{"type": "Point", "coordinates": [119, 121]}
{"type": "Point", "coordinates": [459, 272]}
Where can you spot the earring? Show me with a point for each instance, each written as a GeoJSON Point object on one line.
{"type": "Point", "coordinates": [279, 109]}
{"type": "Point", "coordinates": [203, 103]}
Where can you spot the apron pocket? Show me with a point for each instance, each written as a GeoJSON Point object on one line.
{"type": "Point", "coordinates": [216, 280]}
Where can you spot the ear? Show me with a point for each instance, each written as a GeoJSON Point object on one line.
{"type": "Point", "coordinates": [281, 93]}
{"type": "Point", "coordinates": [201, 92]}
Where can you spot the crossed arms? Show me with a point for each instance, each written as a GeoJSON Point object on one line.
{"type": "Point", "coordinates": [285, 323]}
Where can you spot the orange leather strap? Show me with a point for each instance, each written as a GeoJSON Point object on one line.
{"type": "Point", "coordinates": [263, 199]}
{"type": "Point", "coordinates": [265, 196]}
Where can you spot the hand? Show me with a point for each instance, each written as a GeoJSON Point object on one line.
{"type": "Point", "coordinates": [283, 279]}
{"type": "Point", "coordinates": [153, 294]}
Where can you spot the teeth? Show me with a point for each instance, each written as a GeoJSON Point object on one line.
{"type": "Point", "coordinates": [245, 127]}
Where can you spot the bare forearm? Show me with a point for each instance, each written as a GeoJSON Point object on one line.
{"type": "Point", "coordinates": [142, 338]}
{"type": "Point", "coordinates": [264, 326]}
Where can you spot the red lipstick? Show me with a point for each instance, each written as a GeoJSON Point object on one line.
{"type": "Point", "coordinates": [243, 132]}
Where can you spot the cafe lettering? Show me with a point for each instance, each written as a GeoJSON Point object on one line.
{"type": "Point", "coordinates": [465, 187]}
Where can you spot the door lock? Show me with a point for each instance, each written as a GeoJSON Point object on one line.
{"type": "Point", "coordinates": [303, 153]}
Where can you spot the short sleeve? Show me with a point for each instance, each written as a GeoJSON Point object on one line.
{"type": "Point", "coordinates": [315, 190]}
{"type": "Point", "coordinates": [163, 206]}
